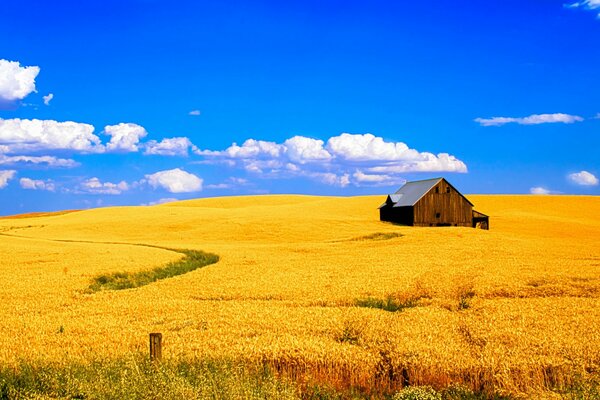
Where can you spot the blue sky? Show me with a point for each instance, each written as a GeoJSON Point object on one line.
{"type": "Point", "coordinates": [134, 102]}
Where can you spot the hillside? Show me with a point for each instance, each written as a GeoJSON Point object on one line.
{"type": "Point", "coordinates": [300, 278]}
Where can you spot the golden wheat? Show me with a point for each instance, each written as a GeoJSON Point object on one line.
{"type": "Point", "coordinates": [514, 309]}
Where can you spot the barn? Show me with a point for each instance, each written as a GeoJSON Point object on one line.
{"type": "Point", "coordinates": [431, 202]}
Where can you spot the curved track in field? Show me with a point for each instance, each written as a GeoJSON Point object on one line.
{"type": "Point", "coordinates": [192, 260]}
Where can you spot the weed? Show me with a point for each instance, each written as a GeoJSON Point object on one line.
{"type": "Point", "coordinates": [193, 259]}
{"type": "Point", "coordinates": [390, 303]}
{"type": "Point", "coordinates": [379, 236]}
{"type": "Point", "coordinates": [351, 331]}
{"type": "Point", "coordinates": [417, 393]}
{"type": "Point", "coordinates": [138, 378]}
{"type": "Point", "coordinates": [464, 296]}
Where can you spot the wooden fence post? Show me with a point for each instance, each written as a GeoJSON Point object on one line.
{"type": "Point", "coordinates": [155, 346]}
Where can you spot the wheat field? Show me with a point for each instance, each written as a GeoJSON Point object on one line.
{"type": "Point", "coordinates": [514, 310]}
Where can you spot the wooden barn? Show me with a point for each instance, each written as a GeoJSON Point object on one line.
{"type": "Point", "coordinates": [431, 202]}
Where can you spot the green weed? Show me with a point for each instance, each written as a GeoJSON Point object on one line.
{"type": "Point", "coordinates": [192, 260]}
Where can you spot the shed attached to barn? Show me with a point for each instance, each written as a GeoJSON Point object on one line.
{"type": "Point", "coordinates": [431, 202]}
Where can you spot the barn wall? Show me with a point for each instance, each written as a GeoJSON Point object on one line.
{"type": "Point", "coordinates": [453, 209]}
{"type": "Point", "coordinates": [399, 215]}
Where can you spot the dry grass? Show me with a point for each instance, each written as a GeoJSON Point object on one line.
{"type": "Point", "coordinates": [514, 310]}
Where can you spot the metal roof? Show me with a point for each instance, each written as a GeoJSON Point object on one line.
{"type": "Point", "coordinates": [411, 192]}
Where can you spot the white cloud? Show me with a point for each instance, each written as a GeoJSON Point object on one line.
{"type": "Point", "coordinates": [533, 119]}
{"type": "Point", "coordinates": [48, 98]}
{"type": "Point", "coordinates": [177, 146]}
{"type": "Point", "coordinates": [25, 135]}
{"type": "Point", "coordinates": [329, 178]}
{"type": "Point", "coordinates": [16, 82]}
{"type": "Point", "coordinates": [583, 178]}
{"type": "Point", "coordinates": [5, 176]}
{"type": "Point", "coordinates": [230, 183]}
{"type": "Point", "coordinates": [124, 137]}
{"type": "Point", "coordinates": [95, 186]}
{"type": "Point", "coordinates": [160, 201]}
{"type": "Point", "coordinates": [427, 162]}
{"type": "Point", "coordinates": [369, 147]}
{"type": "Point", "coordinates": [396, 157]}
{"type": "Point", "coordinates": [49, 161]}
{"type": "Point", "coordinates": [586, 4]}
{"type": "Point", "coordinates": [302, 149]}
{"type": "Point", "coordinates": [218, 186]}
{"type": "Point", "coordinates": [175, 181]}
{"type": "Point", "coordinates": [362, 179]}
{"type": "Point", "coordinates": [335, 161]}
{"type": "Point", "coordinates": [249, 149]}
{"type": "Point", "coordinates": [33, 184]}
{"type": "Point", "coordinates": [539, 190]}
{"type": "Point", "coordinates": [194, 112]}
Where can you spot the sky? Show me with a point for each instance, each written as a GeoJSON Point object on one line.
{"type": "Point", "coordinates": [138, 102]}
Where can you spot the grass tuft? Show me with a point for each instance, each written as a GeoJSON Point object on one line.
{"type": "Point", "coordinates": [390, 303]}
{"type": "Point", "coordinates": [377, 236]}
{"type": "Point", "coordinates": [192, 260]}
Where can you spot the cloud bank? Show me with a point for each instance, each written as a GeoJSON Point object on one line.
{"type": "Point", "coordinates": [47, 161]}
{"type": "Point", "coordinates": [31, 135]}
{"type": "Point", "coordinates": [95, 186]}
{"type": "Point", "coordinates": [33, 184]}
{"type": "Point", "coordinates": [359, 159]}
{"type": "Point", "coordinates": [534, 119]}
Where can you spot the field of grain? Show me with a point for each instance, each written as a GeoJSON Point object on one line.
{"type": "Point", "coordinates": [514, 310]}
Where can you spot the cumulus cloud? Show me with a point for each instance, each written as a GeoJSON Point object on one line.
{"type": "Point", "coordinates": [302, 149]}
{"type": "Point", "coordinates": [583, 178]}
{"type": "Point", "coordinates": [36, 184]}
{"type": "Point", "coordinates": [28, 135]}
{"type": "Point", "coordinates": [360, 159]}
{"type": "Point", "coordinates": [586, 4]}
{"type": "Point", "coordinates": [125, 137]}
{"type": "Point", "coordinates": [16, 82]}
{"type": "Point", "coordinates": [175, 181]}
{"type": "Point", "coordinates": [249, 149]}
{"type": "Point", "coordinates": [48, 98]}
{"type": "Point", "coordinates": [539, 190]}
{"type": "Point", "coordinates": [5, 176]}
{"type": "Point", "coordinates": [177, 146]}
{"type": "Point", "coordinates": [194, 112]}
{"type": "Point", "coordinates": [533, 119]}
{"type": "Point", "coordinates": [48, 161]}
{"type": "Point", "coordinates": [369, 147]}
{"type": "Point", "coordinates": [95, 186]}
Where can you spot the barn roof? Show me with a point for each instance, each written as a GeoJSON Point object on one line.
{"type": "Point", "coordinates": [411, 192]}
